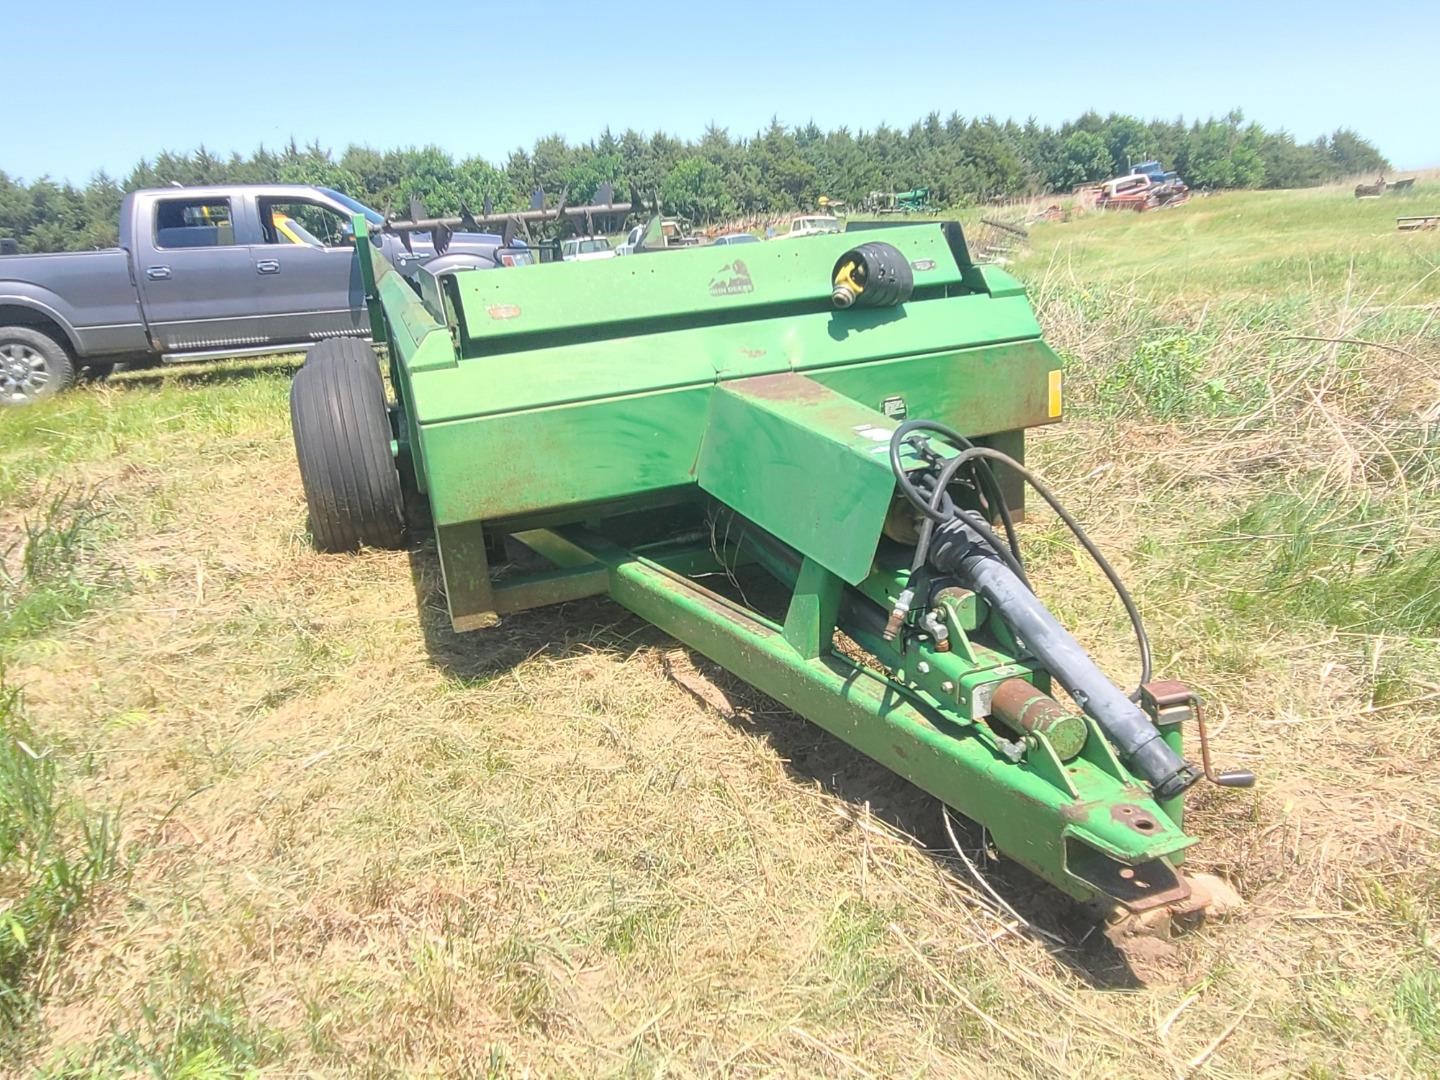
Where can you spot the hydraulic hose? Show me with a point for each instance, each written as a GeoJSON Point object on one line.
{"type": "Point", "coordinates": [960, 550]}
{"type": "Point", "coordinates": [958, 541]}
{"type": "Point", "coordinates": [939, 507]}
{"type": "Point", "coordinates": [934, 514]}
{"type": "Point", "coordinates": [1137, 622]}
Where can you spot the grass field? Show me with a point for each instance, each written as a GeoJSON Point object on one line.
{"type": "Point", "coordinates": [1317, 243]}
{"type": "Point", "coordinates": [262, 812]}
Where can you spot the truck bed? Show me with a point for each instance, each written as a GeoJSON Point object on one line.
{"type": "Point", "coordinates": [89, 291]}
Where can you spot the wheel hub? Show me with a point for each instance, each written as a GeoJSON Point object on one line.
{"type": "Point", "coordinates": [24, 374]}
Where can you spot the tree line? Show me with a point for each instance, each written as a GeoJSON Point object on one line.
{"type": "Point", "coordinates": [961, 161]}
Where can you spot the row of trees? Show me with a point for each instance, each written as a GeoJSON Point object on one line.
{"type": "Point", "coordinates": [962, 161]}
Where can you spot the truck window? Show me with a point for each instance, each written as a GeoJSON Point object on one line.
{"type": "Point", "coordinates": [191, 223]}
{"type": "Point", "coordinates": [295, 221]}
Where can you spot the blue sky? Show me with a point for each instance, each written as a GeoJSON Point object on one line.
{"type": "Point", "coordinates": [99, 85]}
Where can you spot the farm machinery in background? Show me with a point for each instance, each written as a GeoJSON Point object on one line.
{"type": "Point", "coordinates": [1148, 186]}
{"type": "Point", "coordinates": [660, 234]}
{"type": "Point", "coordinates": [1156, 172]}
{"type": "Point", "coordinates": [1403, 186]}
{"type": "Point", "coordinates": [805, 464]}
{"type": "Point", "coordinates": [915, 201]}
{"type": "Point", "coordinates": [524, 234]}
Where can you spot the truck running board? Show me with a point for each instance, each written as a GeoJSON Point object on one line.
{"type": "Point", "coordinates": [240, 354]}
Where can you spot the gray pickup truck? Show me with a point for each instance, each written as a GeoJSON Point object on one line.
{"type": "Point", "coordinates": [203, 273]}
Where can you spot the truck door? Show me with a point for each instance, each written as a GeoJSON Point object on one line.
{"type": "Point", "coordinates": [197, 277]}
{"type": "Point", "coordinates": [310, 285]}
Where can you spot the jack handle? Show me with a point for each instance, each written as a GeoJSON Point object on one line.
{"type": "Point", "coordinates": [1237, 778]}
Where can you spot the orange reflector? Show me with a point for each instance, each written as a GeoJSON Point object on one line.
{"type": "Point", "coordinates": [1055, 392]}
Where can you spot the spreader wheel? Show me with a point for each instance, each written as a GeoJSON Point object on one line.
{"type": "Point", "coordinates": [342, 442]}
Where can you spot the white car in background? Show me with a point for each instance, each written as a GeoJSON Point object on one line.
{"type": "Point", "coordinates": [586, 249]}
{"type": "Point", "coordinates": [812, 225]}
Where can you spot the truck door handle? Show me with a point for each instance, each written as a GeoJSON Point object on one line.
{"type": "Point", "coordinates": [268, 266]}
{"type": "Point", "coordinates": [157, 273]}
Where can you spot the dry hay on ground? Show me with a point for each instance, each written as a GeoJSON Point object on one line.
{"type": "Point", "coordinates": [371, 844]}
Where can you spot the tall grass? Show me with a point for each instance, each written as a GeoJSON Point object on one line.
{"type": "Point", "coordinates": [1298, 439]}
{"type": "Point", "coordinates": [54, 853]}
{"type": "Point", "coordinates": [1350, 564]}
{"type": "Point", "coordinates": [49, 573]}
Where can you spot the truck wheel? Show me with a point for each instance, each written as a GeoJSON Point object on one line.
{"type": "Point", "coordinates": [342, 442]}
{"type": "Point", "coordinates": [33, 365]}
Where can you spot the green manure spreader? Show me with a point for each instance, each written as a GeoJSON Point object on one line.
{"type": "Point", "coordinates": [840, 419]}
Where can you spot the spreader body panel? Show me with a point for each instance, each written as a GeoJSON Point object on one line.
{"type": "Point", "coordinates": [656, 428]}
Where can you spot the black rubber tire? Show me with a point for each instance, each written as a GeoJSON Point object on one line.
{"type": "Point", "coordinates": [22, 344]}
{"type": "Point", "coordinates": [342, 442]}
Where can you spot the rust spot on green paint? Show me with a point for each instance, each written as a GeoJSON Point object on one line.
{"type": "Point", "coordinates": [784, 386]}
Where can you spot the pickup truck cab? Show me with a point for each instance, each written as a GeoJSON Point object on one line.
{"type": "Point", "coordinates": [1155, 171]}
{"type": "Point", "coordinates": [203, 273]}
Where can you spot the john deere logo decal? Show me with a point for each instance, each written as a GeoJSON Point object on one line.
{"type": "Point", "coordinates": [732, 280]}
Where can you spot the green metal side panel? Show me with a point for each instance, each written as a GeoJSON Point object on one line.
{"type": "Point", "coordinates": [587, 371]}
{"type": "Point", "coordinates": [524, 462]}
{"type": "Point", "coordinates": [693, 286]}
{"type": "Point", "coordinates": [411, 325]}
{"type": "Point", "coordinates": [579, 454]}
{"type": "Point", "coordinates": [804, 463]}
{"type": "Point", "coordinates": [979, 391]}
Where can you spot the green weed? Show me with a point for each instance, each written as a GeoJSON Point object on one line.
{"type": "Point", "coordinates": [49, 574]}
{"type": "Point", "coordinates": [196, 1028]}
{"type": "Point", "coordinates": [1417, 1003]}
{"type": "Point", "coordinates": [853, 960]}
{"type": "Point", "coordinates": [1316, 558]}
{"type": "Point", "coordinates": [54, 853]}
{"type": "Point", "coordinates": [1165, 376]}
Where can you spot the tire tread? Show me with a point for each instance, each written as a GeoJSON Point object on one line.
{"type": "Point", "coordinates": [342, 442]}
